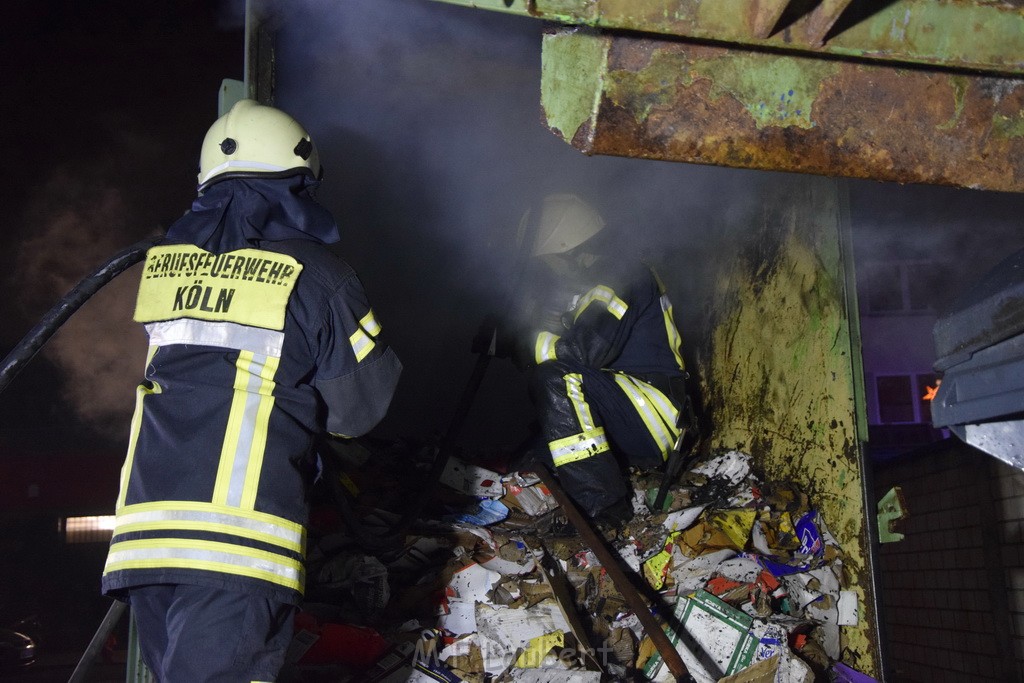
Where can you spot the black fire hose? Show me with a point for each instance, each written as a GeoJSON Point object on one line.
{"type": "Point", "coordinates": [26, 350]}
{"type": "Point", "coordinates": [30, 344]}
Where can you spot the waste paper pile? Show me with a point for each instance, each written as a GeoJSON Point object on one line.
{"type": "Point", "coordinates": [492, 583]}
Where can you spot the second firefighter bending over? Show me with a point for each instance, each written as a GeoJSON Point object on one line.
{"type": "Point", "coordinates": [596, 336]}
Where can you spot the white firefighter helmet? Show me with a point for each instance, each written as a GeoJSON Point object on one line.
{"type": "Point", "coordinates": [565, 222]}
{"type": "Point", "coordinates": [256, 140]}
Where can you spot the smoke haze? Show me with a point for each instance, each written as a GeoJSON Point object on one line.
{"type": "Point", "coordinates": [428, 121]}
{"type": "Point", "coordinates": [99, 350]}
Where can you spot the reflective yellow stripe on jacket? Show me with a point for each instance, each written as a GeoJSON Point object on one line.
{"type": "Point", "coordinates": [227, 558]}
{"type": "Point", "coordinates": [363, 339]}
{"type": "Point", "coordinates": [245, 438]}
{"type": "Point", "coordinates": [605, 295]}
{"type": "Point", "coordinates": [544, 347]}
{"type": "Point", "coordinates": [210, 517]}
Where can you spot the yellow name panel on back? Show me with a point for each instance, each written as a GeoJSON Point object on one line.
{"type": "Point", "coordinates": [247, 286]}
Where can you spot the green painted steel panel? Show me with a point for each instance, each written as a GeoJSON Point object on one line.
{"type": "Point", "coordinates": [962, 34]}
{"type": "Point", "coordinates": [780, 368]}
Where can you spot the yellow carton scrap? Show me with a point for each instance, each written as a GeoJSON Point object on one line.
{"type": "Point", "coordinates": [735, 524]}
{"type": "Point", "coordinates": [656, 568]}
{"type": "Point", "coordinates": [534, 653]}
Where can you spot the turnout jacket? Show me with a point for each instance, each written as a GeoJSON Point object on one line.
{"type": "Point", "coordinates": [616, 317]}
{"type": "Point", "coordinates": [253, 353]}
{"type": "Point", "coordinates": [604, 377]}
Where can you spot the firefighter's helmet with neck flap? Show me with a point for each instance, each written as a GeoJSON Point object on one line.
{"type": "Point", "coordinates": [254, 140]}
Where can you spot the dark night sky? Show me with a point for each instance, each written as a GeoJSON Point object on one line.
{"type": "Point", "coordinates": [428, 120]}
{"type": "Point", "coordinates": [104, 104]}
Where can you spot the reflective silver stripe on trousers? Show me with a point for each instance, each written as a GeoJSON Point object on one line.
{"type": "Point", "coordinates": [597, 444]}
{"type": "Point", "coordinates": [643, 402]}
{"type": "Point", "coordinates": [223, 335]}
{"type": "Point", "coordinates": [574, 389]}
{"type": "Point", "coordinates": [291, 538]}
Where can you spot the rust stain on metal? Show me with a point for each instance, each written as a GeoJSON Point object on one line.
{"type": "Point", "coordinates": [821, 20]}
{"type": "Point", "coordinates": [714, 105]}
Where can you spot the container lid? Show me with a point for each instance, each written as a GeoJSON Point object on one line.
{"type": "Point", "coordinates": [986, 314]}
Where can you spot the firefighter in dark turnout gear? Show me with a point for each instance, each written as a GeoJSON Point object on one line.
{"type": "Point", "coordinates": [604, 360]}
{"type": "Point", "coordinates": [260, 340]}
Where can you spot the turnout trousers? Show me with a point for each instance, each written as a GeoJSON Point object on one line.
{"type": "Point", "coordinates": [193, 634]}
{"type": "Point", "coordinates": [590, 416]}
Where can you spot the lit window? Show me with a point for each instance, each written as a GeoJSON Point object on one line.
{"type": "Point", "coordinates": [96, 529]}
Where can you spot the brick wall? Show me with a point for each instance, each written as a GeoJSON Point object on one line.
{"type": "Point", "coordinates": [952, 590]}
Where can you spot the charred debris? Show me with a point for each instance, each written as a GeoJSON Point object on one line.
{"type": "Point", "coordinates": [484, 578]}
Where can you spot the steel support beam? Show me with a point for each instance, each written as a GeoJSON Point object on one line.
{"type": "Point", "coordinates": [259, 53]}
{"type": "Point", "coordinates": [641, 96]}
{"type": "Point", "coordinates": [982, 35]}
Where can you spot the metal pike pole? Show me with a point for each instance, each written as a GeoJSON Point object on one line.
{"type": "Point", "coordinates": [81, 671]}
{"type": "Point", "coordinates": [686, 421]}
{"type": "Point", "coordinates": [610, 563]}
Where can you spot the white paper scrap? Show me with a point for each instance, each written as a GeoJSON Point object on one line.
{"type": "Point", "coordinates": [682, 519]}
{"type": "Point", "coordinates": [848, 610]}
{"type": "Point", "coordinates": [733, 466]}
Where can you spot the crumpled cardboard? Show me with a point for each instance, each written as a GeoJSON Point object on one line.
{"type": "Point", "coordinates": [527, 494]}
{"type": "Point", "coordinates": [735, 524]}
{"type": "Point", "coordinates": [704, 537]}
{"type": "Point", "coordinates": [729, 548]}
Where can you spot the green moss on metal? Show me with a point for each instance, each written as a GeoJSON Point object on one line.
{"type": "Point", "coordinates": [572, 69]}
{"type": "Point", "coordinates": [1004, 126]}
{"type": "Point", "coordinates": [656, 87]}
{"type": "Point", "coordinates": [778, 92]}
{"type": "Point", "coordinates": [959, 84]}
{"type": "Point", "coordinates": [775, 92]}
